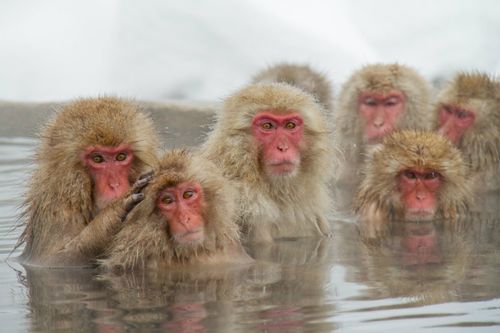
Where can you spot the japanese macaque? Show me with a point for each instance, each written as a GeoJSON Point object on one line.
{"type": "Point", "coordinates": [271, 142]}
{"type": "Point", "coordinates": [90, 154]}
{"type": "Point", "coordinates": [301, 76]}
{"type": "Point", "coordinates": [186, 217]}
{"type": "Point", "coordinates": [376, 100]}
{"type": "Point", "coordinates": [412, 176]}
{"type": "Point", "coordinates": [468, 111]}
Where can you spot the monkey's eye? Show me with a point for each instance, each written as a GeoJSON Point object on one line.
{"type": "Point", "coordinates": [370, 101]}
{"type": "Point", "coordinates": [410, 174]}
{"type": "Point", "coordinates": [97, 158]}
{"type": "Point", "coordinates": [391, 102]}
{"type": "Point", "coordinates": [447, 109]}
{"type": "Point", "coordinates": [121, 157]}
{"type": "Point", "coordinates": [290, 125]}
{"type": "Point", "coordinates": [431, 175]}
{"type": "Point", "coordinates": [266, 125]}
{"type": "Point", "coordinates": [188, 194]}
{"type": "Point", "coordinates": [167, 199]}
{"type": "Point", "coordinates": [462, 114]}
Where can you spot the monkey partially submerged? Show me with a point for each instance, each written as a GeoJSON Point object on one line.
{"type": "Point", "coordinates": [271, 142]}
{"type": "Point", "coordinates": [414, 176]}
{"type": "Point", "coordinates": [468, 113]}
{"type": "Point", "coordinates": [187, 217]}
{"type": "Point", "coordinates": [90, 154]}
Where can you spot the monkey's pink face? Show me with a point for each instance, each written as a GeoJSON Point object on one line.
{"type": "Point", "coordinates": [181, 206]}
{"type": "Point", "coordinates": [454, 121]}
{"type": "Point", "coordinates": [280, 137]}
{"type": "Point", "coordinates": [380, 113]}
{"type": "Point", "coordinates": [109, 167]}
{"type": "Point", "coordinates": [419, 190]}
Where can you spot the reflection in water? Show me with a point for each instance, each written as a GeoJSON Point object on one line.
{"type": "Point", "coordinates": [429, 262]}
{"type": "Point", "coordinates": [295, 285]}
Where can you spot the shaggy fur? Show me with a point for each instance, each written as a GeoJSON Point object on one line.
{"type": "Point", "coordinates": [301, 76]}
{"type": "Point", "coordinates": [59, 204]}
{"type": "Point", "coordinates": [378, 193]}
{"type": "Point", "coordinates": [480, 143]}
{"type": "Point", "coordinates": [145, 242]}
{"type": "Point", "coordinates": [272, 207]}
{"type": "Point", "coordinates": [379, 78]}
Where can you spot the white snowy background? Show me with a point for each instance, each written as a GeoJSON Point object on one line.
{"type": "Point", "coordinates": [203, 50]}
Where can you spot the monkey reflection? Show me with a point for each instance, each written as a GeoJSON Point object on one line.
{"type": "Point", "coordinates": [424, 262]}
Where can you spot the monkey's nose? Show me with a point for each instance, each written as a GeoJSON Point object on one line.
{"type": "Point", "coordinates": [420, 196]}
{"type": "Point", "coordinates": [114, 185]}
{"type": "Point", "coordinates": [282, 147]}
{"type": "Point", "coordinates": [378, 122]}
{"type": "Point", "coordinates": [186, 221]}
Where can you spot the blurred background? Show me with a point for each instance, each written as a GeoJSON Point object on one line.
{"type": "Point", "coordinates": [203, 50]}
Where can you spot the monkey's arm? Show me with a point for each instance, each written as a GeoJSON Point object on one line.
{"type": "Point", "coordinates": [92, 240]}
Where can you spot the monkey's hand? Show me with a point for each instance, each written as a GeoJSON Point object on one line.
{"type": "Point", "coordinates": [135, 195]}
{"type": "Point", "coordinates": [142, 181]}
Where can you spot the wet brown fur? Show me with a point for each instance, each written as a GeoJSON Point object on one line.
{"type": "Point", "coordinates": [378, 195]}
{"type": "Point", "coordinates": [145, 242]}
{"type": "Point", "coordinates": [287, 206]}
{"type": "Point", "coordinates": [62, 225]}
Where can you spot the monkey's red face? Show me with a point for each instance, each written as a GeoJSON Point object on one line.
{"type": "Point", "coordinates": [380, 113]}
{"type": "Point", "coordinates": [454, 121]}
{"type": "Point", "coordinates": [280, 137]}
{"type": "Point", "coordinates": [109, 167]}
{"type": "Point", "coordinates": [419, 190]}
{"type": "Point", "coordinates": [181, 205]}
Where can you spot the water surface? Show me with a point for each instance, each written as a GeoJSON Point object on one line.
{"type": "Point", "coordinates": [420, 277]}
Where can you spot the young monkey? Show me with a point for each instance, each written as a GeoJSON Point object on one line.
{"type": "Point", "coordinates": [187, 217]}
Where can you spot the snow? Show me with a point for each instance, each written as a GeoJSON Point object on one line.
{"type": "Point", "coordinates": [204, 50]}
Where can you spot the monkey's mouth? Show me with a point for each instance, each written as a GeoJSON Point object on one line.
{"type": "Point", "coordinates": [282, 167]}
{"type": "Point", "coordinates": [420, 214]}
{"type": "Point", "coordinates": [190, 236]}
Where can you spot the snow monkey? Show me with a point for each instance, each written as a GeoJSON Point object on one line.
{"type": "Point", "coordinates": [186, 217]}
{"type": "Point", "coordinates": [271, 142]}
{"type": "Point", "coordinates": [468, 113]}
{"type": "Point", "coordinates": [301, 76]}
{"type": "Point", "coordinates": [90, 154]}
{"type": "Point", "coordinates": [376, 100]}
{"type": "Point", "coordinates": [414, 176]}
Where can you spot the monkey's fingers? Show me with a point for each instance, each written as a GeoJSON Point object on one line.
{"type": "Point", "coordinates": [132, 201]}
{"type": "Point", "coordinates": [146, 174]}
{"type": "Point", "coordinates": [142, 182]}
